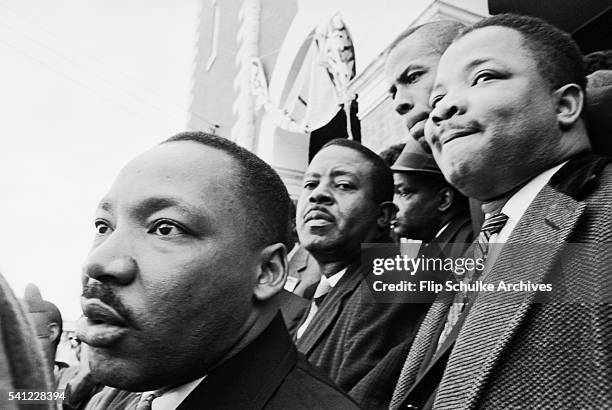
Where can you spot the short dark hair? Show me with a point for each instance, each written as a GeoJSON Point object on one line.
{"type": "Point", "coordinates": [261, 191]}
{"type": "Point", "coordinates": [557, 56]}
{"type": "Point", "coordinates": [382, 177]}
{"type": "Point", "coordinates": [440, 34]}
{"type": "Point", "coordinates": [391, 153]}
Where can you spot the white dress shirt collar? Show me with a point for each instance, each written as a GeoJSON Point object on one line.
{"type": "Point", "coordinates": [172, 398]}
{"type": "Point", "coordinates": [519, 202]}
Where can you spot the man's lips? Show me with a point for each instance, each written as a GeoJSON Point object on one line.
{"type": "Point", "coordinates": [99, 312]}
{"type": "Point", "coordinates": [102, 326]}
{"type": "Point", "coordinates": [318, 214]}
{"type": "Point", "coordinates": [453, 134]}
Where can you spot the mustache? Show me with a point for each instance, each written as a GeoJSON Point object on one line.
{"type": "Point", "coordinates": [106, 295]}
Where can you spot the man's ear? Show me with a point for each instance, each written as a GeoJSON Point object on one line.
{"type": "Point", "coordinates": [570, 102]}
{"type": "Point", "coordinates": [386, 213]}
{"type": "Point", "coordinates": [446, 197]}
{"type": "Point", "coordinates": [54, 332]}
{"type": "Point", "coordinates": [272, 272]}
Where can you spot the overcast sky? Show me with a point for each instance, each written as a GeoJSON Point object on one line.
{"type": "Point", "coordinates": [84, 86]}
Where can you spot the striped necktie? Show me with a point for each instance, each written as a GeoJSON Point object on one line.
{"type": "Point", "coordinates": [492, 225]}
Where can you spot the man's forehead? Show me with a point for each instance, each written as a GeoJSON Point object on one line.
{"type": "Point", "coordinates": [486, 43]}
{"type": "Point", "coordinates": [337, 158]}
{"type": "Point", "coordinates": [179, 171]}
{"type": "Point", "coordinates": [412, 50]}
{"type": "Point", "coordinates": [409, 178]}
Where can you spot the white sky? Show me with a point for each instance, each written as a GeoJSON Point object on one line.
{"type": "Point", "coordinates": [85, 85]}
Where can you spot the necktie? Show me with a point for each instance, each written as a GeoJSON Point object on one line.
{"type": "Point", "coordinates": [145, 401]}
{"type": "Point", "coordinates": [322, 290]}
{"type": "Point", "coordinates": [492, 225]}
{"type": "Point", "coordinates": [423, 339]}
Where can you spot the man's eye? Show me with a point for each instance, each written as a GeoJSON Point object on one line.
{"type": "Point", "coordinates": [310, 185]}
{"type": "Point", "coordinates": [166, 228]}
{"type": "Point", "coordinates": [344, 186]}
{"type": "Point", "coordinates": [102, 228]}
{"type": "Point", "coordinates": [482, 77]}
{"type": "Point", "coordinates": [413, 77]}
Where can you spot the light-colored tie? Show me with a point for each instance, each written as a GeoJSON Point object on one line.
{"type": "Point", "coordinates": [492, 225]}
{"type": "Point", "coordinates": [320, 292]}
{"type": "Point", "coordinates": [145, 401]}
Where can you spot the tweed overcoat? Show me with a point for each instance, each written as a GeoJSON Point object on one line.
{"type": "Point", "coordinates": [513, 353]}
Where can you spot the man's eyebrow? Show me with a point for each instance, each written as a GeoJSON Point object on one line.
{"type": "Point", "coordinates": [311, 175]}
{"type": "Point", "coordinates": [106, 205]}
{"type": "Point", "coordinates": [157, 203]}
{"type": "Point", "coordinates": [154, 204]}
{"type": "Point", "coordinates": [403, 77]}
{"type": "Point", "coordinates": [477, 62]}
{"type": "Point", "coordinates": [343, 172]}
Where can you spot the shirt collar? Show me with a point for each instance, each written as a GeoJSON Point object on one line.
{"type": "Point", "coordinates": [170, 399]}
{"type": "Point", "coordinates": [520, 201]}
{"type": "Point", "coordinates": [442, 230]}
{"type": "Point", "coordinates": [335, 278]}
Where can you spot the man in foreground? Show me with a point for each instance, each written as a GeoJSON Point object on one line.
{"type": "Point", "coordinates": [507, 129]}
{"type": "Point", "coordinates": [179, 289]}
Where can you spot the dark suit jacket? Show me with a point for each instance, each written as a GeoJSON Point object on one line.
{"type": "Point", "coordinates": [513, 353]}
{"type": "Point", "coordinates": [351, 333]}
{"type": "Point", "coordinates": [375, 389]}
{"type": "Point", "coordinates": [305, 269]}
{"type": "Point", "coordinates": [268, 374]}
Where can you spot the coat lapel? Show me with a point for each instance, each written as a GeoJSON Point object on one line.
{"type": "Point", "coordinates": [330, 309]}
{"type": "Point", "coordinates": [495, 316]}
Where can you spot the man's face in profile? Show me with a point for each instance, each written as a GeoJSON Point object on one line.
{"type": "Point", "coordinates": [417, 202]}
{"type": "Point", "coordinates": [410, 71]}
{"type": "Point", "coordinates": [168, 284]}
{"type": "Point", "coordinates": [336, 211]}
{"type": "Point", "coordinates": [494, 119]}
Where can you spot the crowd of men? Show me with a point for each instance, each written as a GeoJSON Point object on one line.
{"type": "Point", "coordinates": [186, 298]}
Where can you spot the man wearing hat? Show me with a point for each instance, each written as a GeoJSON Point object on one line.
{"type": "Point", "coordinates": [430, 209]}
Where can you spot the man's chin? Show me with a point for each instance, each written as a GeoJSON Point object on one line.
{"type": "Point", "coordinates": [120, 374]}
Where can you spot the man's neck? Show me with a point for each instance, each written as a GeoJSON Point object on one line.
{"type": "Point", "coordinates": [328, 269]}
{"type": "Point", "coordinates": [260, 321]}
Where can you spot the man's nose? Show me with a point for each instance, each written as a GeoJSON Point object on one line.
{"type": "Point", "coordinates": [111, 261]}
{"type": "Point", "coordinates": [446, 108]}
{"type": "Point", "coordinates": [403, 101]}
{"type": "Point", "coordinates": [321, 195]}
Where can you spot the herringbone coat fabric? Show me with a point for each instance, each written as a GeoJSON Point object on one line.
{"type": "Point", "coordinates": [514, 354]}
{"type": "Point", "coordinates": [351, 332]}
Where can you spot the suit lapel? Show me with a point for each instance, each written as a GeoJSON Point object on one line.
{"type": "Point", "coordinates": [496, 316]}
{"type": "Point", "coordinates": [330, 309]}
{"type": "Point", "coordinates": [301, 261]}
{"type": "Point", "coordinates": [251, 377]}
